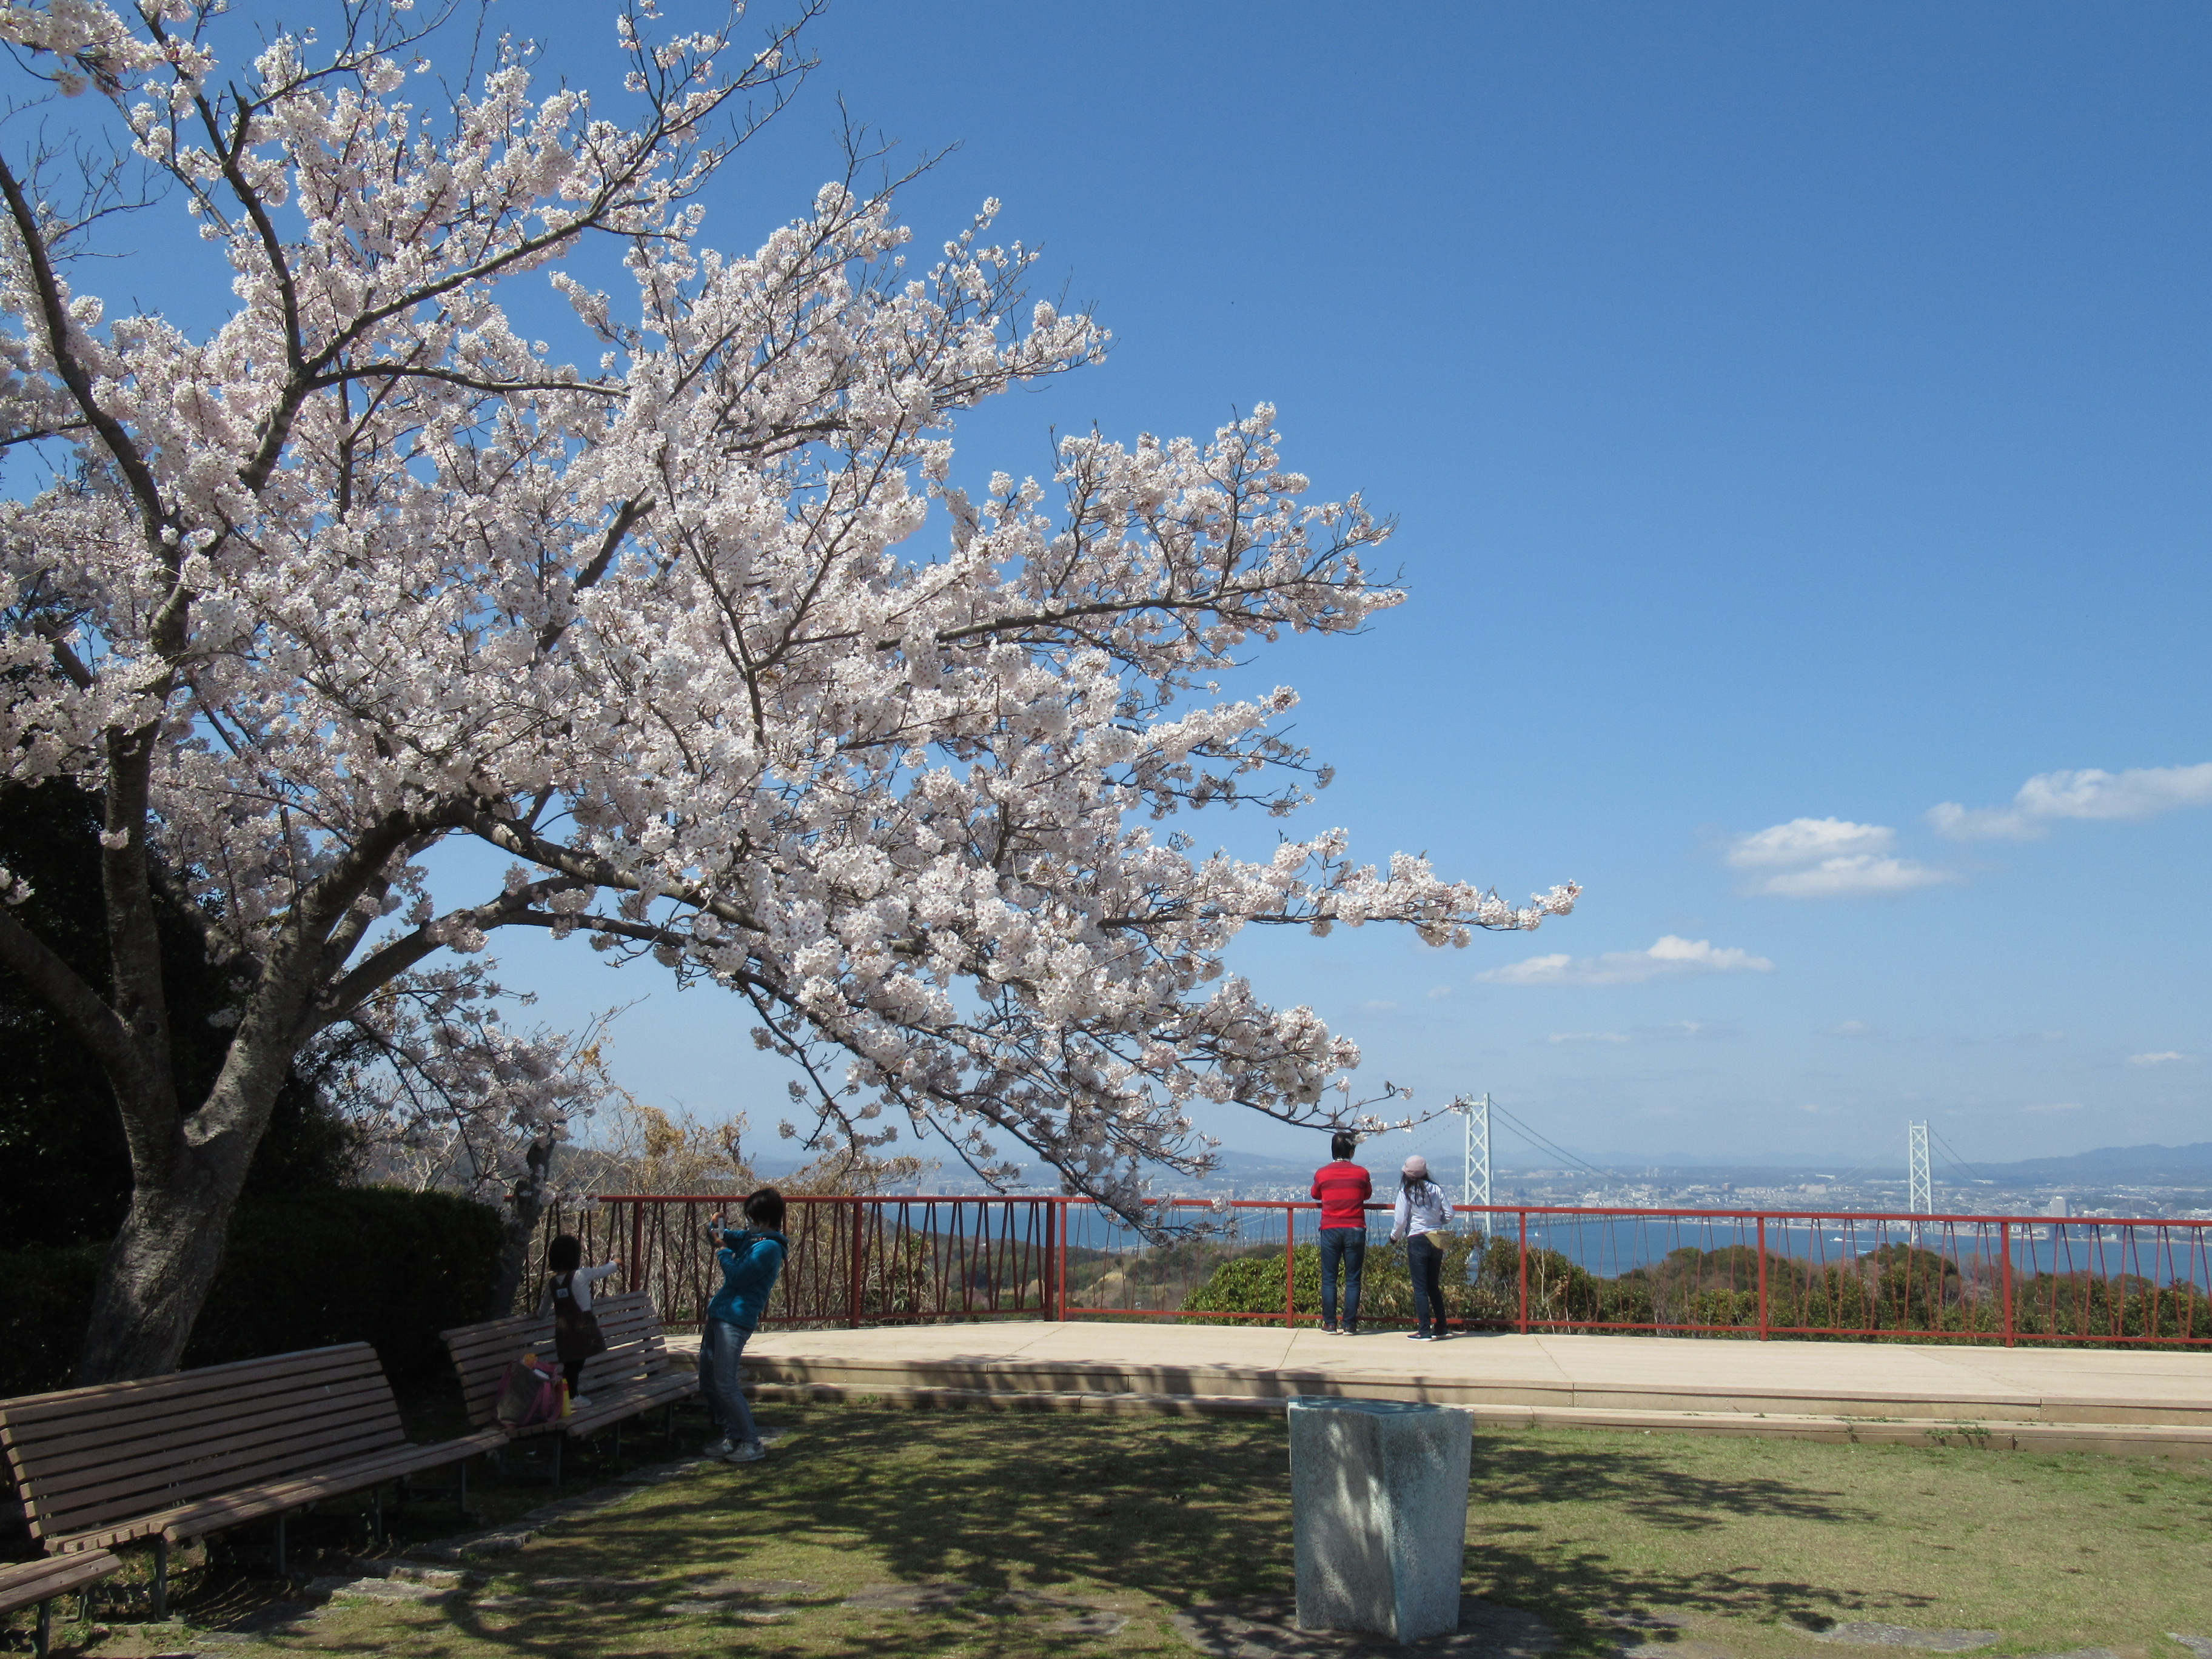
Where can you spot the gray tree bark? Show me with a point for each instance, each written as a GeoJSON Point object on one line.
{"type": "Point", "coordinates": [525, 1208]}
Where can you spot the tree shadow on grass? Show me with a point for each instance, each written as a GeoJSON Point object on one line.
{"type": "Point", "coordinates": [1184, 1512]}
{"type": "Point", "coordinates": [1508, 1473]}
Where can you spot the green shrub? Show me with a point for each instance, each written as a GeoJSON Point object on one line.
{"type": "Point", "coordinates": [375, 1264]}
{"type": "Point", "coordinates": [1253, 1283]}
{"type": "Point", "coordinates": [42, 1317]}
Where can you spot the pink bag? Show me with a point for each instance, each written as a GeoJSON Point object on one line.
{"type": "Point", "coordinates": [529, 1393]}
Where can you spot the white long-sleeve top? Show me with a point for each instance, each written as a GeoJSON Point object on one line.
{"type": "Point", "coordinates": [581, 1285]}
{"type": "Point", "coordinates": [1421, 1208]}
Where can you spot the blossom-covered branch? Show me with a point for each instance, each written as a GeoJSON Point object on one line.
{"type": "Point", "coordinates": [367, 569]}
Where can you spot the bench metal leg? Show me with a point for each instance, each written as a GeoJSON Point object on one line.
{"type": "Point", "coordinates": [280, 1573]}
{"type": "Point", "coordinates": [618, 1448]}
{"type": "Point", "coordinates": [461, 1492]}
{"type": "Point", "coordinates": [160, 1577]}
{"type": "Point", "coordinates": [376, 1515]}
{"type": "Point", "coordinates": [45, 1636]}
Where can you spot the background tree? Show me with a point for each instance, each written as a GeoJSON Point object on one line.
{"type": "Point", "coordinates": [366, 569]}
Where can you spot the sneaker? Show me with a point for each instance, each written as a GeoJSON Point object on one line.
{"type": "Point", "coordinates": [1440, 1336]}
{"type": "Point", "coordinates": [1329, 1330]}
{"type": "Point", "coordinates": [1417, 1336]}
{"type": "Point", "coordinates": [578, 1402]}
{"type": "Point", "coordinates": [721, 1448]}
{"type": "Point", "coordinates": [750, 1452]}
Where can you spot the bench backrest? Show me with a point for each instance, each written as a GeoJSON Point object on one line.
{"type": "Point", "coordinates": [482, 1352]}
{"type": "Point", "coordinates": [99, 1457]}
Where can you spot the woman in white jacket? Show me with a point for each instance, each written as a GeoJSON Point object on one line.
{"type": "Point", "coordinates": [1422, 1217]}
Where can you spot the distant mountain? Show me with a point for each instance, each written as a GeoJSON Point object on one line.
{"type": "Point", "coordinates": [2148, 1165]}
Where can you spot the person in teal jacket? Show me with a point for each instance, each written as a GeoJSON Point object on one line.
{"type": "Point", "coordinates": [750, 1260]}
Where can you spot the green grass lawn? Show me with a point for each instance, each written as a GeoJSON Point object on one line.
{"type": "Point", "coordinates": [1744, 1543]}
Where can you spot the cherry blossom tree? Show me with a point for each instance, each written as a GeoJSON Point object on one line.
{"type": "Point", "coordinates": [366, 569]}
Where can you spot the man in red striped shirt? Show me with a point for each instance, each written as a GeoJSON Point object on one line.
{"type": "Point", "coordinates": [1343, 1187]}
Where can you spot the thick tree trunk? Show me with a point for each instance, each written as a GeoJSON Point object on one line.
{"type": "Point", "coordinates": [185, 1185]}
{"type": "Point", "coordinates": [157, 1274]}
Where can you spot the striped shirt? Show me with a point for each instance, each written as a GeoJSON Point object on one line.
{"type": "Point", "coordinates": [1342, 1188]}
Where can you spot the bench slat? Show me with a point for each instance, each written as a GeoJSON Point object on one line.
{"type": "Point", "coordinates": [631, 1377]}
{"type": "Point", "coordinates": [636, 1347]}
{"type": "Point", "coordinates": [99, 1397]}
{"type": "Point", "coordinates": [208, 1429]}
{"type": "Point", "coordinates": [249, 1504]}
{"type": "Point", "coordinates": [134, 1491]}
{"type": "Point", "coordinates": [24, 1583]}
{"type": "Point", "coordinates": [613, 1406]}
{"type": "Point", "coordinates": [99, 1465]}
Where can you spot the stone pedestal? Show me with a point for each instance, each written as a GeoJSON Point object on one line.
{"type": "Point", "coordinates": [1378, 1505]}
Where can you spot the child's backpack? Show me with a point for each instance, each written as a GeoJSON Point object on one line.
{"type": "Point", "coordinates": [529, 1393]}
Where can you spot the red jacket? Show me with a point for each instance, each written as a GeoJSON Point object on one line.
{"type": "Point", "coordinates": [1342, 1186]}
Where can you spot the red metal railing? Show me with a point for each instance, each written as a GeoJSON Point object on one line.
{"type": "Point", "coordinates": [1754, 1274]}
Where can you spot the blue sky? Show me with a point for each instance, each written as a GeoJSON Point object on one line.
{"type": "Point", "coordinates": [1790, 413]}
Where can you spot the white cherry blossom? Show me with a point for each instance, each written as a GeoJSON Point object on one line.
{"type": "Point", "coordinates": [366, 569]}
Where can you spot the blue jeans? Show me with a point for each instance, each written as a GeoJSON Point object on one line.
{"type": "Point", "coordinates": [1349, 1246]}
{"type": "Point", "coordinates": [1425, 1255]}
{"type": "Point", "coordinates": [722, 1379]}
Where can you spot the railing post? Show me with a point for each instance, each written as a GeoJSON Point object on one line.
{"type": "Point", "coordinates": [1290, 1266]}
{"type": "Point", "coordinates": [1059, 1297]}
{"type": "Point", "coordinates": [637, 1277]}
{"type": "Point", "coordinates": [2004, 1258]}
{"type": "Point", "coordinates": [1524, 1273]}
{"type": "Point", "coordinates": [1762, 1278]}
{"type": "Point", "coordinates": [860, 1222]}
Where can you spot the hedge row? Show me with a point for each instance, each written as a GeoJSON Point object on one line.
{"type": "Point", "coordinates": [375, 1264]}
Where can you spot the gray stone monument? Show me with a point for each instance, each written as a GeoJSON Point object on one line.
{"type": "Point", "coordinates": [1378, 1513]}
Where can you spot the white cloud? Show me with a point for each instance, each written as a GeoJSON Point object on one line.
{"type": "Point", "coordinates": [1861, 876]}
{"type": "Point", "coordinates": [1809, 840]}
{"type": "Point", "coordinates": [1378, 1006]}
{"type": "Point", "coordinates": [1588, 1036]}
{"type": "Point", "coordinates": [1670, 958]}
{"type": "Point", "coordinates": [2142, 792]}
{"type": "Point", "coordinates": [1851, 1028]}
{"type": "Point", "coordinates": [1439, 993]}
{"type": "Point", "coordinates": [2164, 1057]}
{"type": "Point", "coordinates": [1828, 858]}
{"type": "Point", "coordinates": [2055, 1106]}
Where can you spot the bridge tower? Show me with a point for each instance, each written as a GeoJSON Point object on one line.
{"type": "Point", "coordinates": [1475, 1181]}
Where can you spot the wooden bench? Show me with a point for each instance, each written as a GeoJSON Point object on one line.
{"type": "Point", "coordinates": [179, 1456]}
{"type": "Point", "coordinates": [633, 1377]}
{"type": "Point", "coordinates": [23, 1583]}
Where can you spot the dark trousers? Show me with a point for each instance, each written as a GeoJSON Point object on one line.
{"type": "Point", "coordinates": [1347, 1245]}
{"type": "Point", "coordinates": [1425, 1255]}
{"type": "Point", "coordinates": [573, 1371]}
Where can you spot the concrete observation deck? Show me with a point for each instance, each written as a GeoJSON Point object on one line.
{"type": "Point", "coordinates": [2140, 1402]}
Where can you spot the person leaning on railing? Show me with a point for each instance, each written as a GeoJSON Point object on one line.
{"type": "Point", "coordinates": [1422, 1217]}
{"type": "Point", "coordinates": [1343, 1188]}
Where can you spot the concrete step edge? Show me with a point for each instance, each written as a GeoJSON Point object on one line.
{"type": "Point", "coordinates": [2181, 1439]}
{"type": "Point", "coordinates": [865, 1375]}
